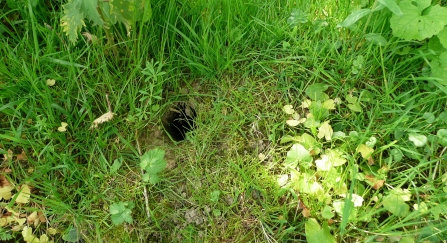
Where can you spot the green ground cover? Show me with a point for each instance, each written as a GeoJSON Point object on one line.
{"type": "Point", "coordinates": [316, 121]}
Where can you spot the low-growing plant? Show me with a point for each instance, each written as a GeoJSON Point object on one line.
{"type": "Point", "coordinates": [103, 14]}
{"type": "Point", "coordinates": [417, 21]}
{"type": "Point", "coordinates": [341, 177]}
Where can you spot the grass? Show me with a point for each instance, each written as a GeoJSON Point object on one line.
{"type": "Point", "coordinates": [238, 63]}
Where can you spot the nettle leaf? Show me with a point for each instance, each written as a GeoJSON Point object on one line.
{"type": "Point", "coordinates": [317, 234]}
{"type": "Point", "coordinates": [354, 17]}
{"type": "Point", "coordinates": [298, 154]}
{"type": "Point", "coordinates": [73, 19]}
{"type": "Point", "coordinates": [121, 212]}
{"type": "Point", "coordinates": [442, 136]}
{"type": "Point", "coordinates": [418, 140]}
{"type": "Point", "coordinates": [419, 20]}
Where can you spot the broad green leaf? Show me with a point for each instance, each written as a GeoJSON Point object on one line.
{"type": "Point", "coordinates": [316, 91]}
{"type": "Point", "coordinates": [116, 165]}
{"type": "Point", "coordinates": [153, 161]}
{"type": "Point", "coordinates": [311, 122]}
{"type": "Point", "coordinates": [418, 21]}
{"type": "Point", "coordinates": [287, 139]}
{"type": "Point", "coordinates": [406, 240]}
{"type": "Point", "coordinates": [327, 212]}
{"type": "Point", "coordinates": [354, 17]}
{"type": "Point", "coordinates": [89, 8]}
{"type": "Point", "coordinates": [376, 39]}
{"type": "Point", "coordinates": [397, 154]}
{"type": "Point", "coordinates": [365, 151]}
{"type": "Point", "coordinates": [145, 10]}
{"type": "Point", "coordinates": [215, 196]}
{"type": "Point", "coordinates": [442, 136]}
{"type": "Point", "coordinates": [73, 19]}
{"type": "Point", "coordinates": [429, 117]}
{"type": "Point", "coordinates": [298, 154]}
{"type": "Point", "coordinates": [124, 10]}
{"type": "Point", "coordinates": [392, 6]}
{"type": "Point", "coordinates": [353, 104]}
{"type": "Point", "coordinates": [396, 205]}
{"type": "Point", "coordinates": [72, 236]}
{"type": "Point", "coordinates": [318, 110]}
{"type": "Point", "coordinates": [325, 130]}
{"type": "Point", "coordinates": [317, 234]}
{"type": "Point", "coordinates": [121, 212]}
{"type": "Point", "coordinates": [418, 140]}
{"type": "Point", "coordinates": [442, 36]}
{"type": "Point", "coordinates": [439, 67]}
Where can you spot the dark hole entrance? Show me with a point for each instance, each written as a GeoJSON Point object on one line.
{"type": "Point", "coordinates": [178, 120]}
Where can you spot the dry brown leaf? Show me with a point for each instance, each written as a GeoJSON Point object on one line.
{"type": "Point", "coordinates": [104, 118]}
{"type": "Point", "coordinates": [42, 217]}
{"type": "Point", "coordinates": [377, 184]}
{"type": "Point", "coordinates": [306, 213]}
{"type": "Point", "coordinates": [22, 156]}
{"type": "Point", "coordinates": [32, 218]}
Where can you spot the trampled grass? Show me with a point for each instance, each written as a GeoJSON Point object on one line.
{"type": "Point", "coordinates": [237, 63]}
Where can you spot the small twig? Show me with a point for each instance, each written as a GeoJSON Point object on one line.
{"type": "Point", "coordinates": [108, 104]}
{"type": "Point", "coordinates": [145, 194]}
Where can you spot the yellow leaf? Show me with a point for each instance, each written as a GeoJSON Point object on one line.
{"type": "Point", "coordinates": [63, 126]}
{"type": "Point", "coordinates": [365, 151]}
{"type": "Point", "coordinates": [325, 130]}
{"type": "Point", "coordinates": [292, 123]}
{"type": "Point", "coordinates": [329, 104]}
{"type": "Point", "coordinates": [5, 192]}
{"type": "Point", "coordinates": [306, 103]}
{"type": "Point", "coordinates": [24, 194]}
{"type": "Point", "coordinates": [104, 118]}
{"type": "Point", "coordinates": [51, 82]}
{"type": "Point", "coordinates": [288, 109]}
{"type": "Point", "coordinates": [27, 233]}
